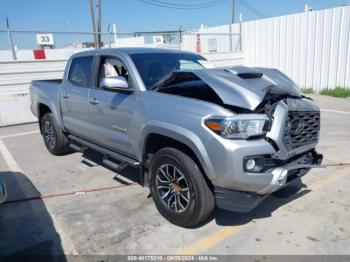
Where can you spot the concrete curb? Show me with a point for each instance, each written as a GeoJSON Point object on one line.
{"type": "Point", "coordinates": [14, 109]}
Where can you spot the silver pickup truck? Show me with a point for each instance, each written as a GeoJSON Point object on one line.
{"type": "Point", "coordinates": [200, 136]}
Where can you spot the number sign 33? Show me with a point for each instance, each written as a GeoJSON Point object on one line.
{"type": "Point", "coordinates": [44, 39]}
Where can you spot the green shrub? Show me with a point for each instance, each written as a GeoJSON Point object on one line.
{"type": "Point", "coordinates": [337, 92]}
{"type": "Point", "coordinates": [307, 90]}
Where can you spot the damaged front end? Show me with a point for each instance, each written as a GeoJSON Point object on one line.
{"type": "Point", "coordinates": [237, 87]}
{"type": "Point", "coordinates": [262, 96]}
{"type": "Point", "coordinates": [285, 171]}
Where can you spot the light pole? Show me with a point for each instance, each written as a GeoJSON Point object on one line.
{"type": "Point", "coordinates": [99, 24]}
{"type": "Point", "coordinates": [14, 56]}
{"type": "Point", "coordinates": [232, 22]}
{"type": "Point", "coordinates": [233, 11]}
{"type": "Point", "coordinates": [92, 13]}
{"type": "Point", "coordinates": [109, 35]}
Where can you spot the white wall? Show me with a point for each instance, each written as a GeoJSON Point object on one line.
{"type": "Point", "coordinates": [312, 48]}
{"type": "Point", "coordinates": [28, 55]}
{"type": "Point", "coordinates": [129, 42]}
{"type": "Point", "coordinates": [221, 35]}
{"type": "Point", "coordinates": [225, 59]}
{"type": "Point", "coordinates": [16, 76]}
{"type": "Point", "coordinates": [14, 109]}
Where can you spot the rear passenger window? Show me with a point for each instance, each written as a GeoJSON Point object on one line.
{"type": "Point", "coordinates": [80, 71]}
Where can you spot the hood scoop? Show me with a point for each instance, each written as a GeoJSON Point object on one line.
{"type": "Point", "coordinates": [245, 72]}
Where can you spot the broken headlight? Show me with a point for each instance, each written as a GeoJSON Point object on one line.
{"type": "Point", "coordinates": [240, 126]}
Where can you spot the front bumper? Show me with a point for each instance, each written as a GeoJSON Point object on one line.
{"type": "Point", "coordinates": [228, 159]}
{"type": "Point", "coordinates": [227, 156]}
{"type": "Point", "coordinates": [237, 201]}
{"type": "Point", "coordinates": [298, 167]}
{"type": "Point", "coordinates": [244, 201]}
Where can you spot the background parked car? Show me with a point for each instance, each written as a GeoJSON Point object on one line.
{"type": "Point", "coordinates": [3, 192]}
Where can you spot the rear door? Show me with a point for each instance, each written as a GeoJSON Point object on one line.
{"type": "Point", "coordinates": [74, 96]}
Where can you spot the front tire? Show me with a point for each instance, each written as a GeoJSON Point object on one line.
{"type": "Point", "coordinates": [179, 190]}
{"type": "Point", "coordinates": [55, 140]}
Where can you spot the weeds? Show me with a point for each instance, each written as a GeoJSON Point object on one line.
{"type": "Point", "coordinates": [308, 90]}
{"type": "Point", "coordinates": [336, 92]}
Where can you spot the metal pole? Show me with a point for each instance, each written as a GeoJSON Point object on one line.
{"type": "Point", "coordinates": [99, 24]}
{"type": "Point", "coordinates": [240, 32]}
{"type": "Point", "coordinates": [230, 36]}
{"type": "Point", "coordinates": [92, 13]}
{"type": "Point", "coordinates": [232, 22]}
{"type": "Point", "coordinates": [180, 37]}
{"type": "Point", "coordinates": [115, 33]}
{"type": "Point", "coordinates": [14, 57]}
{"type": "Point", "coordinates": [109, 35]}
{"type": "Point", "coordinates": [233, 11]}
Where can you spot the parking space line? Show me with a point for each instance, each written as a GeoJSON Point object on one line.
{"type": "Point", "coordinates": [10, 161]}
{"type": "Point", "coordinates": [225, 233]}
{"type": "Point", "coordinates": [20, 134]}
{"type": "Point", "coordinates": [211, 240]}
{"type": "Point", "coordinates": [67, 243]}
{"type": "Point", "coordinates": [317, 185]}
{"type": "Point", "coordinates": [335, 111]}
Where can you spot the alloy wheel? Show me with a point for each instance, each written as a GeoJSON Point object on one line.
{"type": "Point", "coordinates": [49, 134]}
{"type": "Point", "coordinates": [172, 188]}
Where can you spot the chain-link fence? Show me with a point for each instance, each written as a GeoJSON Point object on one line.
{"type": "Point", "coordinates": [31, 45]}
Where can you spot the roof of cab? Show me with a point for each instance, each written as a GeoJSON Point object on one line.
{"type": "Point", "coordinates": [130, 50]}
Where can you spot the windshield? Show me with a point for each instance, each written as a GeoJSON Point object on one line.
{"type": "Point", "coordinates": [154, 66]}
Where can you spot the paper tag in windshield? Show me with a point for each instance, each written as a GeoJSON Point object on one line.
{"type": "Point", "coordinates": [206, 64]}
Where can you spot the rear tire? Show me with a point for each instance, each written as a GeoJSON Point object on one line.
{"type": "Point", "coordinates": [55, 140]}
{"type": "Point", "coordinates": [175, 178]}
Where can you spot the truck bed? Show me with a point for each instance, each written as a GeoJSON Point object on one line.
{"type": "Point", "coordinates": [46, 91]}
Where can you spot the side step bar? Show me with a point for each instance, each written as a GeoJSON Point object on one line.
{"type": "Point", "coordinates": [125, 160]}
{"type": "Point", "coordinates": [113, 165]}
{"type": "Point", "coordinates": [77, 148]}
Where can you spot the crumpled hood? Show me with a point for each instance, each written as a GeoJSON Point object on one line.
{"type": "Point", "coordinates": [247, 87]}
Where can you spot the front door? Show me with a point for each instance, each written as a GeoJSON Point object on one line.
{"type": "Point", "coordinates": [111, 112]}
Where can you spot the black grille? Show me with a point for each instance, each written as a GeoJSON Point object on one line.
{"type": "Point", "coordinates": [302, 128]}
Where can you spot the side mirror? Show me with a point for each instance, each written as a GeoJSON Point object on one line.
{"type": "Point", "coordinates": [3, 193]}
{"type": "Point", "coordinates": [114, 83]}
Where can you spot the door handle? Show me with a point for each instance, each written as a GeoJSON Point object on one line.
{"type": "Point", "coordinates": [94, 101]}
{"type": "Point", "coordinates": [65, 95]}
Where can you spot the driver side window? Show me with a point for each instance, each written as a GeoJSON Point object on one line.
{"type": "Point", "coordinates": [111, 67]}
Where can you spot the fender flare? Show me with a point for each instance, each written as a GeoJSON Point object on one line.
{"type": "Point", "coordinates": [53, 109]}
{"type": "Point", "coordinates": [182, 135]}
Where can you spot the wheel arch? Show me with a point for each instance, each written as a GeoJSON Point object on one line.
{"type": "Point", "coordinates": [42, 110]}
{"type": "Point", "coordinates": [181, 139]}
